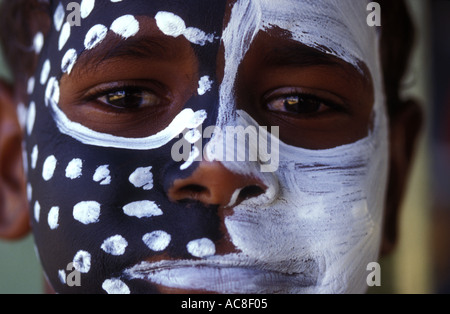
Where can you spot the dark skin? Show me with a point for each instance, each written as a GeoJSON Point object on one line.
{"type": "Point", "coordinates": [322, 126]}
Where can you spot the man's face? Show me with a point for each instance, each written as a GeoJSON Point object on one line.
{"type": "Point", "coordinates": [111, 98]}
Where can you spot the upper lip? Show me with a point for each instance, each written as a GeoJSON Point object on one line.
{"type": "Point", "coordinates": [229, 274]}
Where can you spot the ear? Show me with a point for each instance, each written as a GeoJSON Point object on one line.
{"type": "Point", "coordinates": [14, 217]}
{"type": "Point", "coordinates": [405, 125]}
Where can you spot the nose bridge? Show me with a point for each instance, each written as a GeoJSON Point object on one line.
{"type": "Point", "coordinates": [213, 184]}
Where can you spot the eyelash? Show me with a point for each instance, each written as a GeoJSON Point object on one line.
{"type": "Point", "coordinates": [128, 89]}
{"type": "Point", "coordinates": [301, 98]}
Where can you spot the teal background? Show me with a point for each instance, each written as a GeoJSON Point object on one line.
{"type": "Point", "coordinates": [20, 271]}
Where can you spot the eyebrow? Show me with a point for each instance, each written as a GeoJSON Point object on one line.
{"type": "Point", "coordinates": [156, 48]}
{"type": "Point", "coordinates": [300, 55]}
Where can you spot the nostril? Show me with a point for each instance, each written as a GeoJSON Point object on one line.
{"type": "Point", "coordinates": [193, 188]}
{"type": "Point", "coordinates": [250, 192]}
{"type": "Point", "coordinates": [190, 192]}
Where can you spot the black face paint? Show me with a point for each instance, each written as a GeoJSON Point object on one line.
{"type": "Point", "coordinates": [105, 209]}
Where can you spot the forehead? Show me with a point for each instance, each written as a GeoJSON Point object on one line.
{"type": "Point", "coordinates": [336, 27]}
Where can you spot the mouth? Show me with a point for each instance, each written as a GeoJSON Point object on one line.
{"type": "Point", "coordinates": [228, 276]}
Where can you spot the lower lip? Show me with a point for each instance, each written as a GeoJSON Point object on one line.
{"type": "Point", "coordinates": [228, 280]}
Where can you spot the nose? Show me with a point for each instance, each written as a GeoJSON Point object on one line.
{"type": "Point", "coordinates": [213, 184]}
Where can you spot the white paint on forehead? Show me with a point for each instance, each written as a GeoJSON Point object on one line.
{"type": "Point", "coordinates": [49, 167]}
{"type": "Point", "coordinates": [53, 217]}
{"type": "Point", "coordinates": [86, 8]}
{"type": "Point", "coordinates": [201, 248]}
{"type": "Point", "coordinates": [64, 35]}
{"type": "Point", "coordinates": [142, 209]}
{"type": "Point", "coordinates": [142, 178]}
{"type": "Point", "coordinates": [87, 212]}
{"type": "Point", "coordinates": [115, 285]}
{"type": "Point", "coordinates": [174, 26]}
{"type": "Point", "coordinates": [82, 262]}
{"type": "Point", "coordinates": [115, 245]}
{"type": "Point", "coordinates": [125, 26]}
{"type": "Point", "coordinates": [102, 175]}
{"type": "Point", "coordinates": [157, 240]}
{"type": "Point", "coordinates": [95, 36]}
{"type": "Point", "coordinates": [336, 27]}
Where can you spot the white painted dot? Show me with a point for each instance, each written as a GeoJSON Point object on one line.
{"type": "Point", "coordinates": [125, 26]}
{"type": "Point", "coordinates": [53, 217]}
{"type": "Point", "coordinates": [22, 114]}
{"type": "Point", "coordinates": [52, 91]}
{"type": "Point", "coordinates": [74, 169]}
{"type": "Point", "coordinates": [197, 36]}
{"type": "Point", "coordinates": [116, 0]}
{"type": "Point", "coordinates": [115, 245]}
{"type": "Point", "coordinates": [142, 178]}
{"type": "Point", "coordinates": [49, 168]}
{"type": "Point", "coordinates": [34, 156]}
{"type": "Point", "coordinates": [29, 192]}
{"type": "Point", "coordinates": [86, 8]}
{"type": "Point", "coordinates": [31, 117]}
{"type": "Point", "coordinates": [37, 211]}
{"type": "Point", "coordinates": [38, 42]}
{"type": "Point", "coordinates": [68, 61]}
{"type": "Point", "coordinates": [142, 209]}
{"type": "Point", "coordinates": [102, 175]}
{"type": "Point", "coordinates": [115, 286]}
{"type": "Point", "coordinates": [58, 17]}
{"type": "Point", "coordinates": [64, 35]}
{"type": "Point", "coordinates": [201, 248]}
{"type": "Point", "coordinates": [87, 212]}
{"type": "Point", "coordinates": [45, 72]}
{"type": "Point", "coordinates": [157, 240]}
{"type": "Point", "coordinates": [204, 85]}
{"type": "Point", "coordinates": [95, 36]}
{"type": "Point", "coordinates": [82, 262]}
{"type": "Point", "coordinates": [170, 24]}
{"type": "Point", "coordinates": [30, 85]}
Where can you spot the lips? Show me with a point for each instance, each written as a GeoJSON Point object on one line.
{"type": "Point", "coordinates": [229, 275]}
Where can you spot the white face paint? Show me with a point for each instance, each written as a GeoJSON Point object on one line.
{"type": "Point", "coordinates": [318, 225]}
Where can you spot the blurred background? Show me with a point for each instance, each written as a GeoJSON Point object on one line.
{"type": "Point", "coordinates": [421, 263]}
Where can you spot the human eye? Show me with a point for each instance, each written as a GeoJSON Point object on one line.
{"type": "Point", "coordinates": [126, 97]}
{"type": "Point", "coordinates": [301, 102]}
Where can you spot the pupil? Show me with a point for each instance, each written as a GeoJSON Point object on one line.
{"type": "Point", "coordinates": [124, 99]}
{"type": "Point", "coordinates": [296, 104]}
